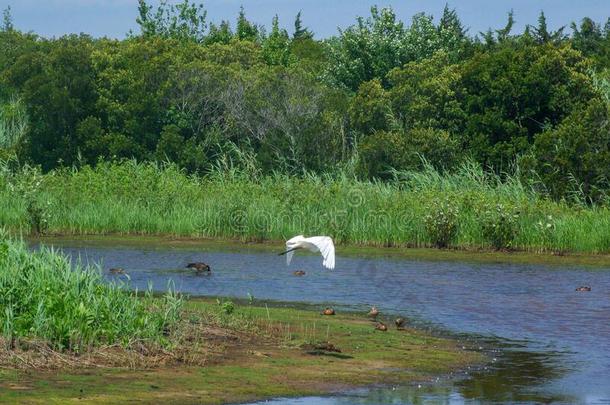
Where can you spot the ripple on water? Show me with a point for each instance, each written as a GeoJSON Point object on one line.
{"type": "Point", "coordinates": [557, 340]}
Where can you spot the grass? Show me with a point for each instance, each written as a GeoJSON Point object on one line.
{"type": "Point", "coordinates": [149, 199]}
{"type": "Point", "coordinates": [47, 302]}
{"type": "Point", "coordinates": [260, 352]}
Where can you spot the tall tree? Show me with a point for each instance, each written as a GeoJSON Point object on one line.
{"type": "Point", "coordinates": [300, 32]}
{"type": "Point", "coordinates": [7, 20]}
{"type": "Point", "coordinates": [182, 21]}
{"type": "Point", "coordinates": [245, 31]}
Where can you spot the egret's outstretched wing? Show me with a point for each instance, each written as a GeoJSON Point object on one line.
{"type": "Point", "coordinates": [326, 247]}
{"type": "Point", "coordinates": [291, 245]}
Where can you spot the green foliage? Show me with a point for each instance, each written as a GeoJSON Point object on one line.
{"type": "Point", "coordinates": [184, 21]}
{"type": "Point", "coordinates": [236, 202]}
{"type": "Point", "coordinates": [573, 159]}
{"type": "Point", "coordinates": [383, 152]}
{"type": "Point", "coordinates": [382, 95]}
{"type": "Point", "coordinates": [43, 297]}
{"type": "Point", "coordinates": [499, 226]}
{"type": "Point", "coordinates": [370, 108]}
{"type": "Point", "coordinates": [441, 223]}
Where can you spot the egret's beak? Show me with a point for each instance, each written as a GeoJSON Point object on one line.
{"type": "Point", "coordinates": [289, 250]}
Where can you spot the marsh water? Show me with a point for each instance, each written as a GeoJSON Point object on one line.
{"type": "Point", "coordinates": [547, 342]}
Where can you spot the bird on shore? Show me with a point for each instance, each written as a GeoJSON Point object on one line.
{"type": "Point", "coordinates": [583, 288]}
{"type": "Point", "coordinates": [400, 322]}
{"type": "Point", "coordinates": [200, 267]}
{"type": "Point", "coordinates": [322, 244]}
{"type": "Point", "coordinates": [373, 313]}
{"type": "Point", "coordinates": [116, 270]}
{"type": "Point", "coordinates": [328, 311]}
{"type": "Point", "coordinates": [381, 326]}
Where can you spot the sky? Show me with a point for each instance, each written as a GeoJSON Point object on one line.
{"type": "Point", "coordinates": [114, 18]}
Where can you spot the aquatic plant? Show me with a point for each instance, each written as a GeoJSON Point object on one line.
{"type": "Point", "coordinates": [45, 297]}
{"type": "Point", "coordinates": [149, 198]}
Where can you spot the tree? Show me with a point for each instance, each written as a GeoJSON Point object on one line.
{"type": "Point", "coordinates": [367, 50]}
{"type": "Point", "coordinates": [276, 47]}
{"type": "Point", "coordinates": [300, 32]}
{"type": "Point", "coordinates": [514, 92]}
{"type": "Point", "coordinates": [370, 109]}
{"type": "Point", "coordinates": [542, 35]}
{"type": "Point", "coordinates": [245, 31]}
{"type": "Point", "coordinates": [58, 87]}
{"type": "Point", "coordinates": [182, 21]}
{"type": "Point", "coordinates": [574, 157]}
{"type": "Point", "coordinates": [7, 20]}
{"type": "Point", "coordinates": [428, 94]}
{"type": "Point", "coordinates": [219, 33]}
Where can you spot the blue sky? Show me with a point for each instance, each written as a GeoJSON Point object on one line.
{"type": "Point", "coordinates": [114, 18]}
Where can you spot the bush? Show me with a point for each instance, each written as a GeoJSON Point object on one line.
{"type": "Point", "coordinates": [500, 226]}
{"type": "Point", "coordinates": [441, 223]}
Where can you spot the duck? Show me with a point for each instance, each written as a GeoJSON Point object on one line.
{"type": "Point", "coordinates": [328, 311]}
{"type": "Point", "coordinates": [400, 322]}
{"type": "Point", "coordinates": [374, 312]}
{"type": "Point", "coordinates": [381, 326]}
{"type": "Point", "coordinates": [583, 288]}
{"type": "Point", "coordinates": [327, 347]}
{"type": "Point", "coordinates": [116, 270]}
{"type": "Point", "coordinates": [199, 266]}
{"type": "Point", "coordinates": [299, 273]}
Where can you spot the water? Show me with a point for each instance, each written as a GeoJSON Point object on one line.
{"type": "Point", "coordinates": [554, 343]}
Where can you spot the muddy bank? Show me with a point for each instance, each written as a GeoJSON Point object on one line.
{"type": "Point", "coordinates": [257, 352]}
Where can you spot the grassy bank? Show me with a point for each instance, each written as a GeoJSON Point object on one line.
{"type": "Point", "coordinates": [258, 353]}
{"type": "Point", "coordinates": [468, 209]}
{"type": "Point", "coordinates": [45, 303]}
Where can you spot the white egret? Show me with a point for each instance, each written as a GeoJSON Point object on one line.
{"type": "Point", "coordinates": [322, 244]}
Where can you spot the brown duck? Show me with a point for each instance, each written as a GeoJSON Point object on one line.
{"type": "Point", "coordinates": [116, 270]}
{"type": "Point", "coordinates": [374, 312]}
{"type": "Point", "coordinates": [198, 266]}
{"type": "Point", "coordinates": [400, 322]}
{"type": "Point", "coordinates": [381, 326]}
{"type": "Point", "coordinates": [583, 288]}
{"type": "Point", "coordinates": [328, 311]}
{"type": "Point", "coordinates": [298, 273]}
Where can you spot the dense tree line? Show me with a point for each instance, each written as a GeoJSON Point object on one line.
{"type": "Point", "coordinates": [380, 95]}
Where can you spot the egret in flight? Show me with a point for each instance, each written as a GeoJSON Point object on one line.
{"type": "Point", "coordinates": [322, 244]}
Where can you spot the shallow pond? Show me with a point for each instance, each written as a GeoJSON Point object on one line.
{"type": "Point", "coordinates": [553, 343]}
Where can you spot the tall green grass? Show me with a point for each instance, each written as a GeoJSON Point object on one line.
{"type": "Point", "coordinates": [147, 198]}
{"type": "Point", "coordinates": [42, 297]}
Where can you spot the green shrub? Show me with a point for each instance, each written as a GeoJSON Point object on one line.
{"type": "Point", "coordinates": [499, 226]}
{"type": "Point", "coordinates": [442, 223]}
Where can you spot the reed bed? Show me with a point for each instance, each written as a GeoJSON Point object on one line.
{"type": "Point", "coordinates": [48, 302]}
{"type": "Point", "coordinates": [468, 209]}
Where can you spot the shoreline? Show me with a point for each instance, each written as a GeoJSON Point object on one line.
{"type": "Point", "coordinates": [282, 360]}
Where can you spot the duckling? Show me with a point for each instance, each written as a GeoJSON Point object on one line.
{"type": "Point", "coordinates": [381, 326]}
{"type": "Point", "coordinates": [374, 312]}
{"type": "Point", "coordinates": [328, 311]}
{"type": "Point", "coordinates": [583, 288]}
{"type": "Point", "coordinates": [198, 266]}
{"type": "Point", "coordinates": [299, 273]}
{"type": "Point", "coordinates": [116, 270]}
{"type": "Point", "coordinates": [400, 322]}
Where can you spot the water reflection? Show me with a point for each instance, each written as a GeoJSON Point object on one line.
{"type": "Point", "coordinates": [555, 342]}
